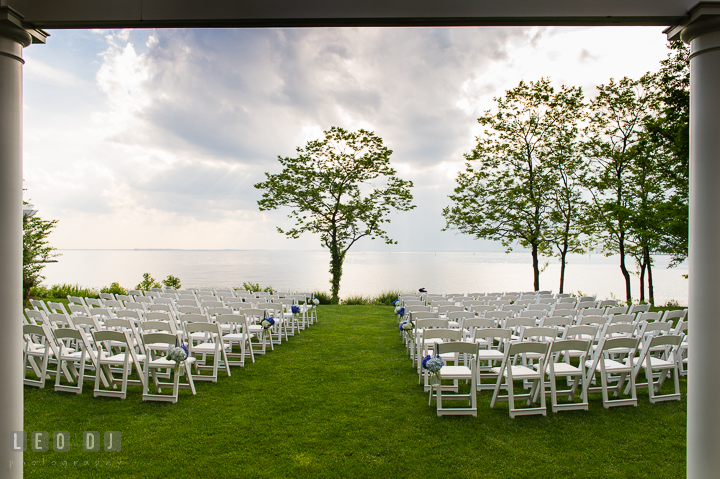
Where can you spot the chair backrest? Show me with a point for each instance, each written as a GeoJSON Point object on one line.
{"type": "Point", "coordinates": [412, 302]}
{"type": "Point", "coordinates": [254, 313]}
{"type": "Point", "coordinates": [564, 307]}
{"type": "Point", "coordinates": [186, 302]}
{"type": "Point", "coordinates": [77, 310]}
{"type": "Point", "coordinates": [621, 318]}
{"type": "Point", "coordinates": [418, 315]}
{"type": "Point", "coordinates": [537, 347]}
{"type": "Point", "coordinates": [523, 302]}
{"type": "Point", "coordinates": [129, 314]}
{"type": "Point", "coordinates": [556, 321]}
{"type": "Point", "coordinates": [567, 300]}
{"type": "Point", "coordinates": [681, 328]}
{"type": "Point", "coordinates": [59, 320]}
{"type": "Point", "coordinates": [134, 305]}
{"type": "Point", "coordinates": [471, 302]}
{"type": "Point", "coordinates": [680, 314]}
{"type": "Point", "coordinates": [412, 309]}
{"type": "Point", "coordinates": [539, 307]}
{"type": "Point", "coordinates": [458, 315]}
{"type": "Point", "coordinates": [457, 347]}
{"type": "Point", "coordinates": [607, 303]}
{"type": "Point", "coordinates": [159, 338]}
{"type": "Point", "coordinates": [609, 344]}
{"type": "Point", "coordinates": [562, 345]}
{"type": "Point", "coordinates": [76, 300]}
{"type": "Point", "coordinates": [57, 307]}
{"type": "Point", "coordinates": [216, 311]}
{"type": "Point", "coordinates": [581, 332]}
{"type": "Point", "coordinates": [106, 296]}
{"type": "Point", "coordinates": [654, 329]}
{"type": "Point", "coordinates": [587, 298]}
{"type": "Point", "coordinates": [189, 310]}
{"type": "Point", "coordinates": [513, 308]}
{"type": "Point", "coordinates": [135, 292]}
{"type": "Point", "coordinates": [585, 305]}
{"type": "Point", "coordinates": [194, 318]}
{"type": "Point", "coordinates": [442, 333]}
{"type": "Point", "coordinates": [590, 319]}
{"type": "Point", "coordinates": [482, 308]}
{"type": "Point", "coordinates": [143, 299]}
{"type": "Point", "coordinates": [625, 329]}
{"type": "Point", "coordinates": [199, 327]}
{"type": "Point", "coordinates": [531, 314]}
{"type": "Point", "coordinates": [94, 302]}
{"type": "Point", "coordinates": [431, 323]}
{"type": "Point", "coordinates": [160, 307]}
{"type": "Point", "coordinates": [112, 303]}
{"type": "Point", "coordinates": [639, 308]}
{"type": "Point", "coordinates": [515, 322]}
{"type": "Point", "coordinates": [498, 314]}
{"type": "Point", "coordinates": [211, 304]}
{"type": "Point", "coordinates": [123, 297]}
{"type": "Point", "coordinates": [592, 312]}
{"type": "Point", "coordinates": [616, 310]}
{"type": "Point", "coordinates": [501, 334]}
{"type": "Point", "coordinates": [649, 317]}
{"type": "Point", "coordinates": [539, 334]}
{"type": "Point", "coordinates": [85, 323]}
{"type": "Point", "coordinates": [168, 326]}
{"type": "Point", "coordinates": [158, 316]}
{"type": "Point", "coordinates": [472, 323]}
{"type": "Point", "coordinates": [101, 313]}
{"type": "Point", "coordinates": [36, 317]}
{"type": "Point", "coordinates": [498, 302]}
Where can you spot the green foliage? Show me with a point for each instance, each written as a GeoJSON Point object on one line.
{"type": "Point", "coordinates": [172, 282]}
{"type": "Point", "coordinates": [36, 250]}
{"type": "Point", "coordinates": [509, 189]}
{"type": "Point", "coordinates": [114, 288]}
{"type": "Point", "coordinates": [323, 296]}
{"type": "Point", "coordinates": [386, 297]}
{"type": "Point", "coordinates": [255, 287]}
{"type": "Point", "coordinates": [147, 283]}
{"type": "Point", "coordinates": [60, 291]}
{"type": "Point", "coordinates": [356, 300]}
{"type": "Point", "coordinates": [340, 187]}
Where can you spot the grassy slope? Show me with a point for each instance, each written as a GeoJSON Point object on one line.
{"type": "Point", "coordinates": [342, 400]}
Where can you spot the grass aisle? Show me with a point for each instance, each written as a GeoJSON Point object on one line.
{"type": "Point", "coordinates": [342, 400]}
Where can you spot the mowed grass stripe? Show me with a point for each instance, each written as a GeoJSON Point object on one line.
{"type": "Point", "coordinates": [341, 399]}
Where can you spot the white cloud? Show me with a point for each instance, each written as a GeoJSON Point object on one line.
{"type": "Point", "coordinates": [161, 142]}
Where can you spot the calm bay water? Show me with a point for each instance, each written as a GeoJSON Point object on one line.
{"type": "Point", "coordinates": [366, 273]}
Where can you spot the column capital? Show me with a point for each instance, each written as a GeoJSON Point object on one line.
{"type": "Point", "coordinates": [13, 26]}
{"type": "Point", "coordinates": [703, 18]}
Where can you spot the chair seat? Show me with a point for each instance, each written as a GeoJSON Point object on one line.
{"type": "Point", "coordinates": [563, 368]}
{"type": "Point", "coordinates": [119, 359]}
{"type": "Point", "coordinates": [455, 372]}
{"type": "Point", "coordinates": [167, 363]}
{"type": "Point", "coordinates": [611, 366]}
{"type": "Point", "coordinates": [236, 336]}
{"type": "Point", "coordinates": [207, 348]}
{"type": "Point", "coordinates": [519, 372]}
{"type": "Point", "coordinates": [490, 355]}
{"type": "Point", "coordinates": [655, 363]}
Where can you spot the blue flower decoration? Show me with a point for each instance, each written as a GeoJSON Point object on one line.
{"type": "Point", "coordinates": [394, 303]}
{"type": "Point", "coordinates": [296, 309]}
{"type": "Point", "coordinates": [425, 360]}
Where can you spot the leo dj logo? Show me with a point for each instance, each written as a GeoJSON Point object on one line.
{"type": "Point", "coordinates": [40, 441]}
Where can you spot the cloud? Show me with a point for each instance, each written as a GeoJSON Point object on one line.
{"type": "Point", "coordinates": [166, 131]}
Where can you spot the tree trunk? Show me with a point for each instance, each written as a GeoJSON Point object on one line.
{"type": "Point", "coordinates": [563, 255]}
{"type": "Point", "coordinates": [623, 268]}
{"type": "Point", "coordinates": [336, 262]}
{"type": "Point", "coordinates": [642, 279]}
{"type": "Point", "coordinates": [651, 290]}
{"type": "Point", "coordinates": [536, 267]}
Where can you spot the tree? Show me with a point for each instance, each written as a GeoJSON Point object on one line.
{"type": "Point", "coordinates": [507, 191]}
{"type": "Point", "coordinates": [147, 283]}
{"type": "Point", "coordinates": [36, 250]}
{"type": "Point", "coordinates": [614, 132]}
{"type": "Point", "coordinates": [341, 187]}
{"type": "Point", "coordinates": [669, 134]}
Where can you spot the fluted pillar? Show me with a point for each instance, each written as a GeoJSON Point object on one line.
{"type": "Point", "coordinates": [703, 415]}
{"type": "Point", "coordinates": [13, 38]}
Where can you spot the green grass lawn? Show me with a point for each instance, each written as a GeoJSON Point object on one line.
{"type": "Point", "coordinates": [342, 399]}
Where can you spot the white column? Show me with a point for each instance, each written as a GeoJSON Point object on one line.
{"type": "Point", "coordinates": [12, 41]}
{"type": "Point", "coordinates": [703, 409]}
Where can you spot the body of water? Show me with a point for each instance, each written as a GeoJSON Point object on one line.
{"type": "Point", "coordinates": [366, 273]}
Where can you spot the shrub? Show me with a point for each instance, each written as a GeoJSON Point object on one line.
{"type": "Point", "coordinates": [114, 288]}
{"type": "Point", "coordinates": [672, 304]}
{"type": "Point", "coordinates": [61, 291]}
{"type": "Point", "coordinates": [147, 283]}
{"type": "Point", "coordinates": [356, 300]}
{"type": "Point", "coordinates": [386, 297]}
{"type": "Point", "coordinates": [172, 282]}
{"type": "Point", "coordinates": [323, 297]}
{"type": "Point", "coordinates": [255, 287]}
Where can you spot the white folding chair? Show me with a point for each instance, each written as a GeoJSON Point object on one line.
{"type": "Point", "coordinates": [555, 366]}
{"type": "Point", "coordinates": [456, 373]}
{"type": "Point", "coordinates": [155, 362]}
{"type": "Point", "coordinates": [509, 372]}
{"type": "Point", "coordinates": [124, 357]}
{"type": "Point", "coordinates": [602, 364]}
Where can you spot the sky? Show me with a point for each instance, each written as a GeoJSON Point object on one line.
{"type": "Point", "coordinates": [155, 138]}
